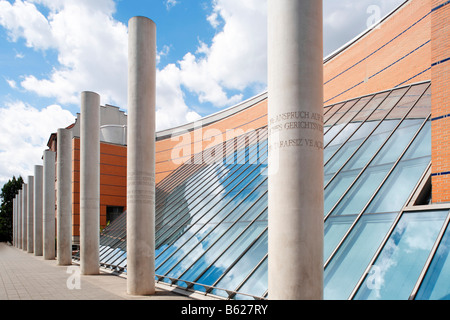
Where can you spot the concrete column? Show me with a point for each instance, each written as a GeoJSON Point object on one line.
{"type": "Point", "coordinates": [90, 183]}
{"type": "Point", "coordinates": [48, 219]}
{"type": "Point", "coordinates": [19, 220]}
{"type": "Point", "coordinates": [295, 182]}
{"type": "Point", "coordinates": [24, 216]}
{"type": "Point", "coordinates": [38, 210]}
{"type": "Point", "coordinates": [64, 197]}
{"type": "Point", "coordinates": [141, 156]}
{"type": "Point", "coordinates": [14, 222]}
{"type": "Point", "coordinates": [30, 215]}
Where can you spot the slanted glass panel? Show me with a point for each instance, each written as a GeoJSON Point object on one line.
{"type": "Point", "coordinates": [421, 146]}
{"type": "Point", "coordinates": [196, 258]}
{"type": "Point", "coordinates": [436, 284]}
{"type": "Point", "coordinates": [384, 108]}
{"type": "Point", "coordinates": [399, 186]}
{"type": "Point", "coordinates": [176, 206]}
{"type": "Point", "coordinates": [339, 140]}
{"type": "Point", "coordinates": [251, 204]}
{"type": "Point", "coordinates": [332, 132]}
{"type": "Point", "coordinates": [335, 228]}
{"type": "Point", "coordinates": [370, 106]}
{"type": "Point", "coordinates": [348, 265]}
{"type": "Point", "coordinates": [423, 107]}
{"type": "Point", "coordinates": [398, 142]}
{"type": "Point", "coordinates": [337, 188]}
{"type": "Point", "coordinates": [243, 267]}
{"type": "Point", "coordinates": [118, 252]}
{"type": "Point", "coordinates": [327, 109]}
{"type": "Point", "coordinates": [220, 259]}
{"type": "Point", "coordinates": [355, 106]}
{"type": "Point", "coordinates": [352, 144]}
{"type": "Point", "coordinates": [195, 208]}
{"type": "Point", "coordinates": [340, 113]}
{"type": "Point", "coordinates": [408, 101]}
{"type": "Point", "coordinates": [397, 268]}
{"type": "Point", "coordinates": [214, 243]}
{"type": "Point", "coordinates": [256, 284]}
{"type": "Point", "coordinates": [371, 146]}
{"type": "Point", "coordinates": [330, 113]}
{"type": "Point", "coordinates": [219, 266]}
{"type": "Point", "coordinates": [359, 194]}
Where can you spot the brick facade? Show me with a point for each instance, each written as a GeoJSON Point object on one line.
{"type": "Point", "coordinates": [440, 68]}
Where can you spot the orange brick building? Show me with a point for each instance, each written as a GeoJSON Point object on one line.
{"type": "Point", "coordinates": [410, 45]}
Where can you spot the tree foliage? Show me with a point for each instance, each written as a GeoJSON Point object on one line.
{"type": "Point", "coordinates": [7, 195]}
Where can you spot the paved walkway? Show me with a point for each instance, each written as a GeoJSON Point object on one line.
{"type": "Point", "coordinates": [24, 276]}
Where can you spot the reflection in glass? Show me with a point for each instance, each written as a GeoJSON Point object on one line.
{"type": "Point", "coordinates": [399, 264]}
{"type": "Point", "coordinates": [334, 229]}
{"type": "Point", "coordinates": [234, 276]}
{"type": "Point", "coordinates": [217, 261]}
{"type": "Point", "coordinates": [436, 284]}
{"type": "Point", "coordinates": [398, 187]}
{"type": "Point", "coordinates": [337, 188]}
{"type": "Point", "coordinates": [368, 149]}
{"type": "Point", "coordinates": [352, 144]}
{"type": "Point", "coordinates": [257, 284]}
{"type": "Point", "coordinates": [211, 218]}
{"type": "Point", "coordinates": [350, 261]}
{"type": "Point", "coordinates": [360, 193]}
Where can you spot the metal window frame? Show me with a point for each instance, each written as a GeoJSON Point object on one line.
{"type": "Point", "coordinates": [365, 139]}
{"type": "Point", "coordinates": [204, 176]}
{"type": "Point", "coordinates": [244, 172]}
{"type": "Point", "coordinates": [387, 237]}
{"type": "Point", "coordinates": [444, 229]}
{"type": "Point", "coordinates": [374, 194]}
{"type": "Point", "coordinates": [373, 157]}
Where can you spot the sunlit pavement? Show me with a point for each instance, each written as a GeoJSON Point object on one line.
{"type": "Point", "coordinates": [24, 276]}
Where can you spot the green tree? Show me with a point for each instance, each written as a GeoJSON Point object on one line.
{"type": "Point", "coordinates": [7, 195]}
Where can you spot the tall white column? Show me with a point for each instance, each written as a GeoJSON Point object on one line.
{"type": "Point", "coordinates": [295, 183]}
{"type": "Point", "coordinates": [141, 156]}
{"type": "Point", "coordinates": [90, 183]}
{"type": "Point", "coordinates": [64, 197]}
{"type": "Point", "coordinates": [24, 216]}
{"type": "Point", "coordinates": [19, 219]}
{"type": "Point", "coordinates": [30, 215]}
{"type": "Point", "coordinates": [48, 219]}
{"type": "Point", "coordinates": [38, 210]}
{"type": "Point", "coordinates": [14, 222]}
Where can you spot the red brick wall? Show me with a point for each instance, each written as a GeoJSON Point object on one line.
{"type": "Point", "coordinates": [398, 52]}
{"type": "Point", "coordinates": [251, 118]}
{"type": "Point", "coordinates": [440, 105]}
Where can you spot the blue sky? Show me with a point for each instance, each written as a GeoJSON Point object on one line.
{"type": "Point", "coordinates": [211, 55]}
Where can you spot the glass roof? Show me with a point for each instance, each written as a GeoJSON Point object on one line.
{"type": "Point", "coordinates": [211, 218]}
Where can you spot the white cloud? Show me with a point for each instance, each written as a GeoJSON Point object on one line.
{"type": "Point", "coordinates": [22, 19]}
{"type": "Point", "coordinates": [171, 107]}
{"type": "Point", "coordinates": [91, 46]}
{"type": "Point", "coordinates": [236, 58]}
{"type": "Point", "coordinates": [170, 4]}
{"type": "Point", "coordinates": [92, 50]}
{"type": "Point", "coordinates": [20, 55]}
{"type": "Point", "coordinates": [12, 83]}
{"type": "Point", "coordinates": [24, 135]}
{"type": "Point", "coordinates": [345, 19]}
